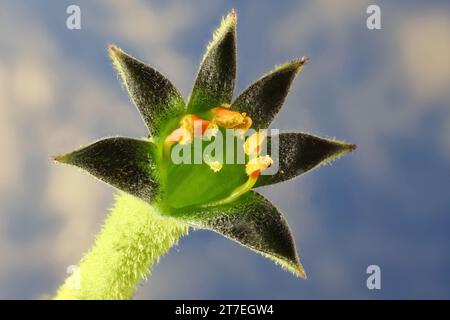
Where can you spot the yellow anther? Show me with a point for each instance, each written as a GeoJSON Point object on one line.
{"type": "Point", "coordinates": [211, 130]}
{"type": "Point", "coordinates": [253, 169]}
{"type": "Point", "coordinates": [227, 118]}
{"type": "Point", "coordinates": [242, 129]}
{"type": "Point", "coordinates": [258, 164]}
{"type": "Point", "coordinates": [215, 165]}
{"type": "Point", "coordinates": [192, 123]}
{"type": "Point", "coordinates": [252, 145]}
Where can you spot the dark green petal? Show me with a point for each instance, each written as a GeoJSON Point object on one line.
{"type": "Point", "coordinates": [301, 152]}
{"type": "Point", "coordinates": [263, 99]}
{"type": "Point", "coordinates": [253, 222]}
{"type": "Point", "coordinates": [216, 77]}
{"type": "Point", "coordinates": [156, 97]}
{"type": "Point", "coordinates": [124, 163]}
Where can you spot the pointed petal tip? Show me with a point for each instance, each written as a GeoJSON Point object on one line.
{"type": "Point", "coordinates": [229, 21]}
{"type": "Point", "coordinates": [352, 147]}
{"type": "Point", "coordinates": [300, 272]}
{"type": "Point", "coordinates": [297, 62]}
{"type": "Point", "coordinates": [59, 158]}
{"type": "Point", "coordinates": [343, 148]}
{"type": "Point", "coordinates": [301, 61]}
{"type": "Point", "coordinates": [217, 73]}
{"type": "Point", "coordinates": [294, 65]}
{"type": "Point", "coordinates": [114, 51]}
{"type": "Point", "coordinates": [304, 60]}
{"type": "Point", "coordinates": [112, 48]}
{"type": "Point", "coordinates": [349, 147]}
{"type": "Point", "coordinates": [232, 14]}
{"type": "Point", "coordinates": [293, 266]}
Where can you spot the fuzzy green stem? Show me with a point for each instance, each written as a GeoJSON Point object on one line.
{"type": "Point", "coordinates": [132, 239]}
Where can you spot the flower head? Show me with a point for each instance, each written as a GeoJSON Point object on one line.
{"type": "Point", "coordinates": [210, 192]}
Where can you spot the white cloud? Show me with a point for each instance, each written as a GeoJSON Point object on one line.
{"type": "Point", "coordinates": [419, 50]}
{"type": "Point", "coordinates": [78, 200]}
{"type": "Point", "coordinates": [151, 33]}
{"type": "Point", "coordinates": [140, 23]}
{"type": "Point", "coordinates": [306, 18]}
{"type": "Point", "coordinates": [61, 103]}
{"type": "Point", "coordinates": [12, 160]}
{"type": "Point", "coordinates": [424, 49]}
{"type": "Point", "coordinates": [32, 84]}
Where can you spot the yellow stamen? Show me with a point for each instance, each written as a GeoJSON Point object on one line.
{"type": "Point", "coordinates": [253, 169]}
{"type": "Point", "coordinates": [242, 128]}
{"type": "Point", "coordinates": [258, 164]}
{"type": "Point", "coordinates": [239, 191]}
{"type": "Point", "coordinates": [211, 130]}
{"type": "Point", "coordinates": [215, 166]}
{"type": "Point", "coordinates": [252, 145]}
{"type": "Point", "coordinates": [192, 122]}
{"type": "Point", "coordinates": [227, 118]}
{"type": "Point", "coordinates": [190, 125]}
{"type": "Point", "coordinates": [181, 136]}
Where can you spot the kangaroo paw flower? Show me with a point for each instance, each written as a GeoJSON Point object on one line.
{"type": "Point", "coordinates": [188, 170]}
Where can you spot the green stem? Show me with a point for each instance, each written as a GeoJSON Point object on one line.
{"type": "Point", "coordinates": [132, 239]}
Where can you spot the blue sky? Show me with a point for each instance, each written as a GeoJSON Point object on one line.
{"type": "Point", "coordinates": [385, 90]}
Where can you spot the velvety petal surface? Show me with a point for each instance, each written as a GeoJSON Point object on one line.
{"type": "Point", "coordinates": [156, 97]}
{"type": "Point", "coordinates": [253, 222]}
{"type": "Point", "coordinates": [263, 99]}
{"type": "Point", "coordinates": [216, 77]}
{"type": "Point", "coordinates": [124, 163]}
{"type": "Point", "coordinates": [300, 152]}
